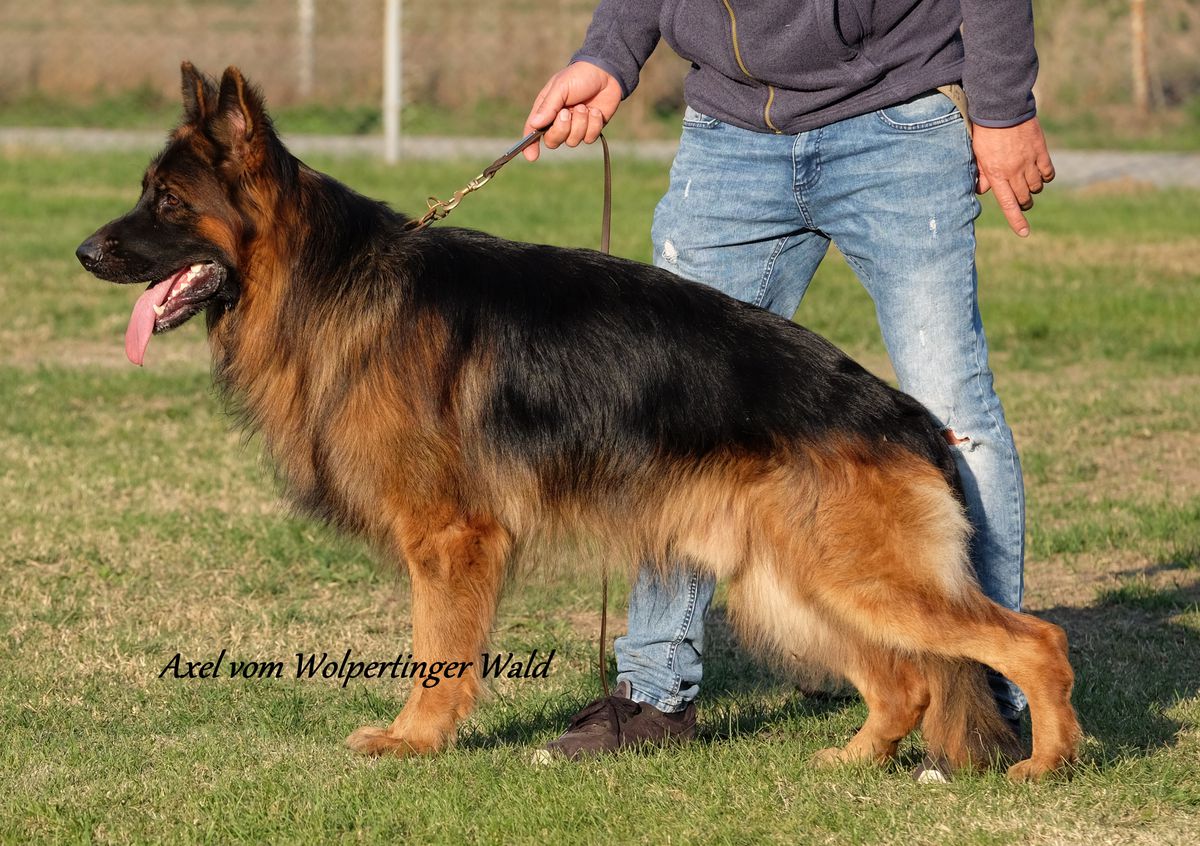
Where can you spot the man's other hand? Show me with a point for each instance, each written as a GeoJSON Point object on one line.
{"type": "Point", "coordinates": [1014, 164]}
{"type": "Point", "coordinates": [573, 107]}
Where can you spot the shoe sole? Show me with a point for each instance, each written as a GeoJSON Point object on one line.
{"type": "Point", "coordinates": [542, 758]}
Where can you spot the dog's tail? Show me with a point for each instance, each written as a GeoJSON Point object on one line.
{"type": "Point", "coordinates": [962, 723]}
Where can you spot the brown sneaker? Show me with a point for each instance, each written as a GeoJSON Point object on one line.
{"type": "Point", "coordinates": [616, 722]}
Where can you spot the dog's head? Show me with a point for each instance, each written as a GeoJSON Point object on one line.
{"type": "Point", "coordinates": [204, 199]}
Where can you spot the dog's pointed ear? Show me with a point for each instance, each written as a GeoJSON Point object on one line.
{"type": "Point", "coordinates": [199, 95]}
{"type": "Point", "coordinates": [240, 125]}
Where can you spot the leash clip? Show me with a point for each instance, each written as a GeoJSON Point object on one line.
{"type": "Point", "coordinates": [440, 208]}
{"type": "Point", "coordinates": [478, 182]}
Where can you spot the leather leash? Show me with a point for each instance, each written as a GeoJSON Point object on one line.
{"type": "Point", "coordinates": [439, 209]}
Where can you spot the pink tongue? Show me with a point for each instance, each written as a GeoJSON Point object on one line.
{"type": "Point", "coordinates": [141, 322]}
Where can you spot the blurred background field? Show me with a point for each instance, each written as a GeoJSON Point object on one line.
{"type": "Point", "coordinates": [471, 67]}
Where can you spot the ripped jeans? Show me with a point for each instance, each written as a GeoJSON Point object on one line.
{"type": "Point", "coordinates": [753, 214]}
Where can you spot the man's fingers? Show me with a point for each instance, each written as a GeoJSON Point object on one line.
{"type": "Point", "coordinates": [1021, 191]}
{"type": "Point", "coordinates": [558, 131]}
{"type": "Point", "coordinates": [594, 127]}
{"type": "Point", "coordinates": [982, 185]}
{"type": "Point", "coordinates": [550, 100]}
{"type": "Point", "coordinates": [538, 119]}
{"type": "Point", "coordinates": [1015, 186]}
{"type": "Point", "coordinates": [1033, 178]}
{"type": "Point", "coordinates": [1045, 167]}
{"type": "Point", "coordinates": [579, 125]}
{"type": "Point", "coordinates": [571, 127]}
{"type": "Point", "coordinates": [1011, 208]}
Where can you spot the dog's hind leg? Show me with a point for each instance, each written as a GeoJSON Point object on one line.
{"type": "Point", "coordinates": [896, 695]}
{"type": "Point", "coordinates": [905, 604]}
{"type": "Point", "coordinates": [893, 568]}
{"type": "Point", "coordinates": [1031, 652]}
{"type": "Point", "coordinates": [768, 614]}
{"type": "Point", "coordinates": [456, 564]}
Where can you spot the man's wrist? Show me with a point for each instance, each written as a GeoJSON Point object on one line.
{"type": "Point", "coordinates": [1006, 123]}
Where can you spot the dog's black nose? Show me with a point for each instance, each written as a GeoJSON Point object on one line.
{"type": "Point", "coordinates": [90, 252]}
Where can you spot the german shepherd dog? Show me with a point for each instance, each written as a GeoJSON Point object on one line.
{"type": "Point", "coordinates": [448, 395]}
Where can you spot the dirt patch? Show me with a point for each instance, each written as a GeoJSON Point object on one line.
{"type": "Point", "coordinates": [32, 350]}
{"type": "Point", "coordinates": [1078, 580]}
{"type": "Point", "coordinates": [1150, 261]}
{"type": "Point", "coordinates": [1122, 186]}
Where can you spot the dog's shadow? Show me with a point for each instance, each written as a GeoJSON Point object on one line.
{"type": "Point", "coordinates": [1134, 660]}
{"type": "Point", "coordinates": [742, 697]}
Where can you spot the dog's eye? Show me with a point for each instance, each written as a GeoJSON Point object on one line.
{"type": "Point", "coordinates": [168, 200]}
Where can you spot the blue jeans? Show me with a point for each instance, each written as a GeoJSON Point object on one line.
{"type": "Point", "coordinates": [753, 214]}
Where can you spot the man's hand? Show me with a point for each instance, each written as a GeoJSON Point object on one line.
{"type": "Point", "coordinates": [1014, 163]}
{"type": "Point", "coordinates": [572, 107]}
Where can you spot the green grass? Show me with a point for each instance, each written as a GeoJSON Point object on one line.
{"type": "Point", "coordinates": [146, 108]}
{"type": "Point", "coordinates": [1121, 128]}
{"type": "Point", "coordinates": [136, 524]}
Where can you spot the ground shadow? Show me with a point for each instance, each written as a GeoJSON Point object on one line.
{"type": "Point", "coordinates": [742, 696]}
{"type": "Point", "coordinates": [1134, 659]}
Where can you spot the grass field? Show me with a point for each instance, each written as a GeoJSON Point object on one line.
{"type": "Point", "coordinates": [135, 524]}
{"type": "Point", "coordinates": [1112, 129]}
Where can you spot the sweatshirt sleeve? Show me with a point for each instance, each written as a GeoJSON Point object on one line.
{"type": "Point", "coordinates": [620, 39]}
{"type": "Point", "coordinates": [1001, 63]}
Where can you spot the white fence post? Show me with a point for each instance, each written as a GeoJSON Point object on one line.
{"type": "Point", "coordinates": [306, 14]}
{"type": "Point", "coordinates": [393, 28]}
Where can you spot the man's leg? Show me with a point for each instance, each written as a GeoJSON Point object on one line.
{"type": "Point", "coordinates": [728, 219]}
{"type": "Point", "coordinates": [896, 194]}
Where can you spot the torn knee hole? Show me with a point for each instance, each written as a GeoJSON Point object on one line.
{"type": "Point", "coordinates": [953, 438]}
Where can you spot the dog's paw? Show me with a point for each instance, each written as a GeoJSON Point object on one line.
{"type": "Point", "coordinates": [831, 757]}
{"type": "Point", "coordinates": [1029, 770]}
{"type": "Point", "coordinates": [372, 740]}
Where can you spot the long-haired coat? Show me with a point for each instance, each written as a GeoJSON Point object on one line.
{"type": "Point", "coordinates": [447, 395]}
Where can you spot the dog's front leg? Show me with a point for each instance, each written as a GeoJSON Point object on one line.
{"type": "Point", "coordinates": [456, 565]}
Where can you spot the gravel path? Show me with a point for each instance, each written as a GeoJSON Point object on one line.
{"type": "Point", "coordinates": [1075, 167]}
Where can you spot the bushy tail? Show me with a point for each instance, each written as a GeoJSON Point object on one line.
{"type": "Point", "coordinates": [962, 723]}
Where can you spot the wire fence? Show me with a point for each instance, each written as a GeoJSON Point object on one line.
{"type": "Point", "coordinates": [457, 56]}
{"type": "Point", "coordinates": [474, 57]}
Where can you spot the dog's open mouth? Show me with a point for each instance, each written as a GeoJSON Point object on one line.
{"type": "Point", "coordinates": [169, 303]}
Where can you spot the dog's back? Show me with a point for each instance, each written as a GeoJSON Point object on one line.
{"type": "Point", "coordinates": [589, 348]}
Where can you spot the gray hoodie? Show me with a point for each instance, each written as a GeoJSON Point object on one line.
{"type": "Point", "coordinates": [792, 65]}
